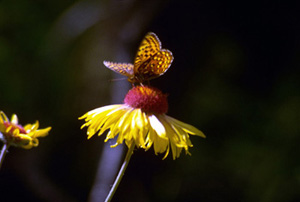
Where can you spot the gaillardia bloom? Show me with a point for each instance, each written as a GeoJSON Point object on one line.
{"type": "Point", "coordinates": [13, 134]}
{"type": "Point", "coordinates": [142, 121]}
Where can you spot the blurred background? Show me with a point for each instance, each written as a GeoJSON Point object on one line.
{"type": "Point", "coordinates": [235, 76]}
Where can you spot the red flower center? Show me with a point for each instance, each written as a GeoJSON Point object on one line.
{"type": "Point", "coordinates": [149, 99]}
{"type": "Point", "coordinates": [14, 127]}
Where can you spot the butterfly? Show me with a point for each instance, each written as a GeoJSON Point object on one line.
{"type": "Point", "coordinates": [150, 61]}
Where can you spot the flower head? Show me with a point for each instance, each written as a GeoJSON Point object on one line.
{"type": "Point", "coordinates": [141, 120]}
{"type": "Point", "coordinates": [16, 135]}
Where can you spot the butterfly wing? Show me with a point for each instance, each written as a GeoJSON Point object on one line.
{"type": "Point", "coordinates": [159, 63]}
{"type": "Point", "coordinates": [149, 46]}
{"type": "Point", "coordinates": [125, 69]}
{"type": "Point", "coordinates": [151, 61]}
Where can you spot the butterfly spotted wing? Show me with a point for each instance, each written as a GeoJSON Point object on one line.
{"type": "Point", "coordinates": [148, 47]}
{"type": "Point", "coordinates": [125, 69]}
{"type": "Point", "coordinates": [150, 62]}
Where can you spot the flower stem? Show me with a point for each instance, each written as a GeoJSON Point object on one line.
{"type": "Point", "coordinates": [120, 174]}
{"type": "Point", "coordinates": [3, 152]}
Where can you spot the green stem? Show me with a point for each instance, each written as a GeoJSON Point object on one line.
{"type": "Point", "coordinates": [120, 174]}
{"type": "Point", "coordinates": [3, 152]}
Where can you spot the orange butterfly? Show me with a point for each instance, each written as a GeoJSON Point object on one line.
{"type": "Point", "coordinates": [150, 61]}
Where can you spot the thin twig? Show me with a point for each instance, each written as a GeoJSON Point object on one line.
{"type": "Point", "coordinates": [120, 174]}
{"type": "Point", "coordinates": [3, 153]}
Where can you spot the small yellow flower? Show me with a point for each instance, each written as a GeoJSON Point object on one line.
{"type": "Point", "coordinates": [142, 120]}
{"type": "Point", "coordinates": [16, 135]}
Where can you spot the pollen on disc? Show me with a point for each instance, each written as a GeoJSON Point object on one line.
{"type": "Point", "coordinates": [148, 99]}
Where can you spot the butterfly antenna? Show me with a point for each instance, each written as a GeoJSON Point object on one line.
{"type": "Point", "coordinates": [118, 79]}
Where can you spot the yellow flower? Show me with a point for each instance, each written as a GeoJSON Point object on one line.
{"type": "Point", "coordinates": [16, 135]}
{"type": "Point", "coordinates": [142, 120]}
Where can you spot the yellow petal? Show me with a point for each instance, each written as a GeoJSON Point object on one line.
{"type": "Point", "coordinates": [157, 126]}
{"type": "Point", "coordinates": [3, 117]}
{"type": "Point", "coordinates": [188, 128]}
{"type": "Point", "coordinates": [42, 132]}
{"type": "Point", "coordinates": [123, 126]}
{"type": "Point", "coordinates": [14, 119]}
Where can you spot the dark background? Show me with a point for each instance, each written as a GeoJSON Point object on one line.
{"type": "Point", "coordinates": [235, 76]}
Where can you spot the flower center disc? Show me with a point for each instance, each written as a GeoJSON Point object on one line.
{"type": "Point", "coordinates": [149, 99]}
{"type": "Point", "coordinates": [13, 127]}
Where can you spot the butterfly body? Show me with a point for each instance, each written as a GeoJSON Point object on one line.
{"type": "Point", "coordinates": [150, 62]}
